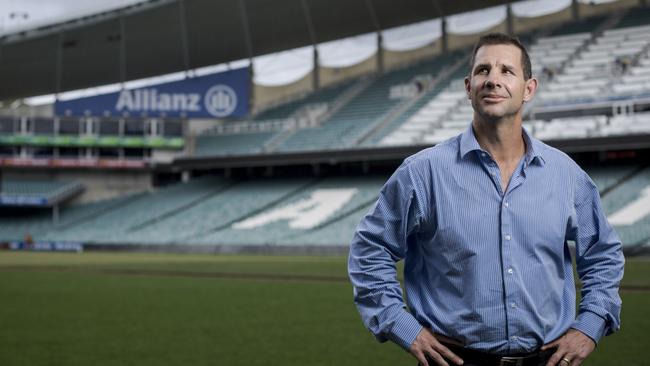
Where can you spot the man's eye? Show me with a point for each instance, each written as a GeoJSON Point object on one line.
{"type": "Point", "coordinates": [507, 71]}
{"type": "Point", "coordinates": [483, 71]}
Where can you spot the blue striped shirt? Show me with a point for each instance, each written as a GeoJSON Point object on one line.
{"type": "Point", "coordinates": [490, 269]}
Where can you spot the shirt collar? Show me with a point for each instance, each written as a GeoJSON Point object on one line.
{"type": "Point", "coordinates": [468, 143]}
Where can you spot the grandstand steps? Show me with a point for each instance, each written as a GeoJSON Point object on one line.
{"type": "Point", "coordinates": [354, 214]}
{"type": "Point", "coordinates": [287, 196]}
{"type": "Point", "coordinates": [621, 180]}
{"type": "Point", "coordinates": [626, 209]}
{"type": "Point", "coordinates": [610, 22]}
{"type": "Point", "coordinates": [182, 208]}
{"type": "Point", "coordinates": [347, 96]}
{"type": "Point", "coordinates": [116, 204]}
{"type": "Point", "coordinates": [276, 140]}
{"type": "Point", "coordinates": [339, 102]}
{"type": "Point", "coordinates": [402, 108]}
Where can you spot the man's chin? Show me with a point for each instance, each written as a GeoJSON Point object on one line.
{"type": "Point", "coordinates": [492, 115]}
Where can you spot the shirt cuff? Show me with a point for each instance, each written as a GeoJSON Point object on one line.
{"type": "Point", "coordinates": [591, 325]}
{"type": "Point", "coordinates": [405, 330]}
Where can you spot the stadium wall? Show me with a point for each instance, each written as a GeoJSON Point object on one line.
{"type": "Point", "coordinates": [267, 96]}
{"type": "Point", "coordinates": [459, 41]}
{"type": "Point", "coordinates": [525, 24]}
{"type": "Point", "coordinates": [397, 59]}
{"type": "Point", "coordinates": [335, 75]}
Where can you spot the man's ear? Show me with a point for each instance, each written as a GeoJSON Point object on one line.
{"type": "Point", "coordinates": [467, 87]}
{"type": "Point", "coordinates": [530, 89]}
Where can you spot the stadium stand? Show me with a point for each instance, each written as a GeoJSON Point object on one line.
{"type": "Point", "coordinates": [300, 216]}
{"type": "Point", "coordinates": [361, 114]}
{"type": "Point", "coordinates": [112, 226]}
{"type": "Point", "coordinates": [628, 208]}
{"type": "Point", "coordinates": [596, 68]}
{"type": "Point", "coordinates": [603, 58]}
{"type": "Point", "coordinates": [281, 120]}
{"type": "Point", "coordinates": [424, 118]}
{"type": "Point", "coordinates": [232, 144]}
{"type": "Point", "coordinates": [273, 211]}
{"type": "Point", "coordinates": [26, 191]}
{"type": "Point", "coordinates": [39, 224]}
{"type": "Point", "coordinates": [234, 203]}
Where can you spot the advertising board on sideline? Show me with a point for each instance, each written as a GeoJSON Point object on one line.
{"type": "Point", "coordinates": [220, 95]}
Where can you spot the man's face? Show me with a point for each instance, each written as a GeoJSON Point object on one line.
{"type": "Point", "coordinates": [496, 84]}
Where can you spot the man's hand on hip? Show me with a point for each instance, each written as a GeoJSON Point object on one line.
{"type": "Point", "coordinates": [426, 344]}
{"type": "Point", "coordinates": [572, 348]}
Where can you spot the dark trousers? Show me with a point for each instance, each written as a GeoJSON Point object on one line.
{"type": "Point", "coordinates": [477, 358]}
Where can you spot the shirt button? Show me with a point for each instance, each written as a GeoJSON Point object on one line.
{"type": "Point", "coordinates": [507, 204]}
{"type": "Point", "coordinates": [510, 271]}
{"type": "Point", "coordinates": [507, 237]}
{"type": "Point", "coordinates": [514, 338]}
{"type": "Point", "coordinates": [494, 174]}
{"type": "Point", "coordinates": [513, 305]}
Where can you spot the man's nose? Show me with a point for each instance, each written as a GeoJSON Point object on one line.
{"type": "Point", "coordinates": [492, 80]}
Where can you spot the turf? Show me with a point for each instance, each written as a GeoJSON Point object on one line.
{"type": "Point", "coordinates": [144, 309]}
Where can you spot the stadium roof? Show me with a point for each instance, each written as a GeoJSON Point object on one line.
{"type": "Point", "coordinates": [147, 39]}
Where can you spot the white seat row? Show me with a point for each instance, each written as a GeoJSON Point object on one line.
{"type": "Point", "coordinates": [564, 38]}
{"type": "Point", "coordinates": [631, 89]}
{"type": "Point", "coordinates": [636, 79]}
{"type": "Point", "coordinates": [643, 29]}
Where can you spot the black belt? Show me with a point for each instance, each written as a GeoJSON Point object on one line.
{"type": "Point", "coordinates": [471, 356]}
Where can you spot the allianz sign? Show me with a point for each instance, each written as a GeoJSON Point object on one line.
{"type": "Point", "coordinates": [219, 101]}
{"type": "Point", "coordinates": [218, 95]}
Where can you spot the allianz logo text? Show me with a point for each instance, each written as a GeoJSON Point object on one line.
{"type": "Point", "coordinates": [219, 101]}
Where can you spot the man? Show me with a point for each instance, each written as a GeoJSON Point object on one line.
{"type": "Point", "coordinates": [482, 221]}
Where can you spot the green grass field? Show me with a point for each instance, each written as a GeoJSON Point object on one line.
{"type": "Point", "coordinates": [165, 309]}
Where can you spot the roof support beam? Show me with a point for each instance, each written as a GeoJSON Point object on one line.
{"type": "Point", "coordinates": [380, 39]}
{"type": "Point", "coordinates": [443, 25]}
{"type": "Point", "coordinates": [185, 48]}
{"type": "Point", "coordinates": [122, 60]}
{"type": "Point", "coordinates": [247, 31]}
{"type": "Point", "coordinates": [444, 37]}
{"type": "Point", "coordinates": [58, 74]}
{"type": "Point", "coordinates": [510, 29]}
{"type": "Point", "coordinates": [314, 42]}
{"type": "Point", "coordinates": [575, 12]}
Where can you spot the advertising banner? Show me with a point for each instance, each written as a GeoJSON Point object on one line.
{"type": "Point", "coordinates": [220, 95]}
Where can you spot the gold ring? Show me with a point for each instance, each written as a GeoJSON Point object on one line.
{"type": "Point", "coordinates": [566, 360]}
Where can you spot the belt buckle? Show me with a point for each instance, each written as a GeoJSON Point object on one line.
{"type": "Point", "coordinates": [511, 361]}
